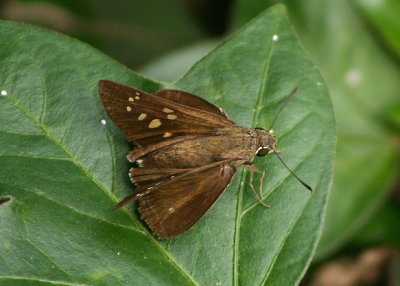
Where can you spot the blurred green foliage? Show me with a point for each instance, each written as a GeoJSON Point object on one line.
{"type": "Point", "coordinates": [131, 32]}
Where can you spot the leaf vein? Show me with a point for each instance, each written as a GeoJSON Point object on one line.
{"type": "Point", "coordinates": [50, 259]}
{"type": "Point", "coordinates": [44, 103]}
{"type": "Point", "coordinates": [42, 280]}
{"type": "Point", "coordinates": [34, 156]}
{"type": "Point", "coordinates": [86, 214]}
{"type": "Point", "coordinates": [22, 133]}
{"type": "Point", "coordinates": [244, 173]}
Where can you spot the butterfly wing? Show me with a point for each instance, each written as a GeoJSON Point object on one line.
{"type": "Point", "coordinates": [190, 100]}
{"type": "Point", "coordinates": [174, 207]}
{"type": "Point", "coordinates": [171, 200]}
{"type": "Point", "coordinates": [147, 118]}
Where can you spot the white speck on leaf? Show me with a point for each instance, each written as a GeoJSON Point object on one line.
{"type": "Point", "coordinates": [103, 122]}
{"type": "Point", "coordinates": [3, 93]}
{"type": "Point", "coordinates": [118, 253]}
{"type": "Point", "coordinates": [275, 37]}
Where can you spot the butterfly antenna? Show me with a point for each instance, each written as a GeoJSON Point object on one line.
{"type": "Point", "coordinates": [283, 105]}
{"type": "Point", "coordinates": [300, 180]}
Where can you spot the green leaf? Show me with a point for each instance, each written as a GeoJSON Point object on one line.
{"type": "Point", "coordinates": [64, 171]}
{"type": "Point", "coordinates": [363, 82]}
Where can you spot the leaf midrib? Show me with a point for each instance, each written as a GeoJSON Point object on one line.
{"type": "Point", "coordinates": [42, 280]}
{"type": "Point", "coordinates": [244, 172]}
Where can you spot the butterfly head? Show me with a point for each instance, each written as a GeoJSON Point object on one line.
{"type": "Point", "coordinates": [266, 142]}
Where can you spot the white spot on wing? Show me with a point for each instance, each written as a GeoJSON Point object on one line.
{"type": "Point", "coordinates": [142, 116]}
{"type": "Point", "coordinates": [171, 116]}
{"type": "Point", "coordinates": [137, 97]}
{"type": "Point", "coordinates": [155, 123]}
{"type": "Point", "coordinates": [167, 110]}
{"type": "Point", "coordinates": [131, 99]}
{"type": "Point", "coordinates": [167, 134]}
{"type": "Point", "coordinates": [128, 108]}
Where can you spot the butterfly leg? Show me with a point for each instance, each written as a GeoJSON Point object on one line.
{"type": "Point", "coordinates": [252, 169]}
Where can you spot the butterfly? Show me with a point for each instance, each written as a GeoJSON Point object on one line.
{"type": "Point", "coordinates": [187, 153]}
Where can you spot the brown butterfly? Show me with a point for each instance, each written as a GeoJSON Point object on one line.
{"type": "Point", "coordinates": [188, 151]}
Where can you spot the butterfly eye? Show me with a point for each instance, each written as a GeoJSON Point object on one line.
{"type": "Point", "coordinates": [262, 152]}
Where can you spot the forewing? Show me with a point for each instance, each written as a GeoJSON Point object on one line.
{"type": "Point", "coordinates": [173, 208]}
{"type": "Point", "coordinates": [147, 118]}
{"type": "Point", "coordinates": [190, 100]}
